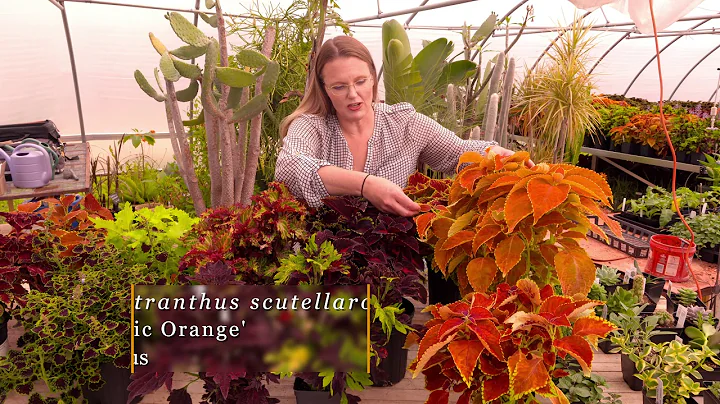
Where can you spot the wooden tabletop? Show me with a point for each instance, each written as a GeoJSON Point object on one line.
{"type": "Point", "coordinates": [59, 185]}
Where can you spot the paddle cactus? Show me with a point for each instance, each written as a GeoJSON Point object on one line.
{"type": "Point", "coordinates": [226, 98]}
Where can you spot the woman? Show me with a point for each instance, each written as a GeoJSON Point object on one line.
{"type": "Point", "coordinates": [340, 142]}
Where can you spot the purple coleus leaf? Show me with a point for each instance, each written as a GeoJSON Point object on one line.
{"type": "Point", "coordinates": [216, 273]}
{"type": "Point", "coordinates": [180, 396]}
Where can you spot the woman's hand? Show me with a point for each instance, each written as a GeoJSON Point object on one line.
{"type": "Point", "coordinates": [501, 151]}
{"type": "Point", "coordinates": [388, 197]}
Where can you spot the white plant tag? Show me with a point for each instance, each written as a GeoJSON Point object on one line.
{"type": "Point", "coordinates": [704, 208]}
{"type": "Point", "coordinates": [659, 393]}
{"type": "Point", "coordinates": [641, 214]}
{"type": "Point", "coordinates": [693, 214]}
{"type": "Point", "coordinates": [623, 205]}
{"type": "Point", "coordinates": [681, 314]}
{"type": "Point", "coordinates": [597, 281]}
{"type": "Point", "coordinates": [605, 312]}
{"type": "Point", "coordinates": [678, 339]}
{"type": "Point", "coordinates": [669, 289]}
{"type": "Point", "coordinates": [626, 278]}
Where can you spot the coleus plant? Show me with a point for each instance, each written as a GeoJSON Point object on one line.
{"type": "Point", "coordinates": [504, 222]}
{"type": "Point", "coordinates": [423, 189]}
{"type": "Point", "coordinates": [503, 347]}
{"type": "Point", "coordinates": [253, 237]}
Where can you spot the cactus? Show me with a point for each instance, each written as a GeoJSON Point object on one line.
{"type": "Point", "coordinates": [209, 4]}
{"type": "Point", "coordinates": [665, 319]}
{"type": "Point", "coordinates": [186, 31]}
{"type": "Point", "coordinates": [686, 297]}
{"type": "Point", "coordinates": [167, 67]}
{"type": "Point", "coordinates": [189, 93]}
{"type": "Point", "coordinates": [211, 21]}
{"type": "Point", "coordinates": [476, 133]}
{"type": "Point", "coordinates": [251, 58]}
{"type": "Point", "coordinates": [501, 133]}
{"type": "Point", "coordinates": [232, 154]}
{"type": "Point", "coordinates": [638, 288]}
{"type": "Point", "coordinates": [235, 77]}
{"type": "Point", "coordinates": [451, 99]}
{"type": "Point", "coordinates": [491, 117]}
{"type": "Point", "coordinates": [188, 52]}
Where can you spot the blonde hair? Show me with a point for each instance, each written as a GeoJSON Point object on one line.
{"type": "Point", "coordinates": [316, 101]}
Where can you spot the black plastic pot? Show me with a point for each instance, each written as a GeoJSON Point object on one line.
{"type": "Point", "coordinates": [654, 287]}
{"type": "Point", "coordinates": [305, 395]}
{"type": "Point", "coordinates": [647, 151]}
{"type": "Point", "coordinates": [630, 148]}
{"type": "Point", "coordinates": [708, 397]}
{"type": "Point", "coordinates": [606, 346]}
{"type": "Point", "coordinates": [648, 400]}
{"type": "Point", "coordinates": [393, 367]}
{"type": "Point", "coordinates": [441, 290]}
{"type": "Point", "coordinates": [114, 391]}
{"type": "Point", "coordinates": [628, 372]}
{"type": "Point", "coordinates": [696, 158]}
{"type": "Point", "coordinates": [710, 376]}
{"type": "Point", "coordinates": [599, 142]}
{"type": "Point", "coordinates": [3, 331]}
{"type": "Point", "coordinates": [672, 333]}
{"type": "Point", "coordinates": [709, 254]}
{"type": "Point", "coordinates": [672, 303]}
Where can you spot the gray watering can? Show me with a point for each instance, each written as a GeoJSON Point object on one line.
{"type": "Point", "coordinates": [29, 168]}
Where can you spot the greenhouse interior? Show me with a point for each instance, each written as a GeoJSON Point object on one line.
{"type": "Point", "coordinates": [335, 201]}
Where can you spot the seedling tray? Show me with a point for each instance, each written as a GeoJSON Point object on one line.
{"type": "Point", "coordinates": [636, 242]}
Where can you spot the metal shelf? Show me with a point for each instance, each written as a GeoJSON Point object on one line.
{"type": "Point", "coordinates": [642, 160]}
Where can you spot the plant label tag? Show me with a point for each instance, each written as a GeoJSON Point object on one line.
{"type": "Point", "coordinates": [605, 312]}
{"type": "Point", "coordinates": [704, 207]}
{"type": "Point", "coordinates": [659, 393]}
{"type": "Point", "coordinates": [669, 289]}
{"type": "Point", "coordinates": [641, 215]}
{"type": "Point", "coordinates": [626, 278]}
{"type": "Point", "coordinates": [693, 214]}
{"type": "Point", "coordinates": [597, 281]}
{"type": "Point", "coordinates": [623, 205]}
{"type": "Point", "coordinates": [678, 339]}
{"type": "Point", "coordinates": [681, 314]}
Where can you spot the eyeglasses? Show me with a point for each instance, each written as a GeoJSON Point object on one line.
{"type": "Point", "coordinates": [344, 89]}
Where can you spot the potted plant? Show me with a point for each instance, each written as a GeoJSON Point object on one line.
{"type": "Point", "coordinates": [684, 296]}
{"type": "Point", "coordinates": [579, 388]}
{"type": "Point", "coordinates": [611, 278]}
{"type": "Point", "coordinates": [633, 338]}
{"type": "Point", "coordinates": [707, 237]}
{"type": "Point", "coordinates": [674, 364]}
{"type": "Point", "coordinates": [504, 345]}
{"type": "Point", "coordinates": [711, 394]}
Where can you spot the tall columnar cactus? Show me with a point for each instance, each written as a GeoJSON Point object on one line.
{"type": "Point", "coordinates": [501, 134]}
{"type": "Point", "coordinates": [225, 95]}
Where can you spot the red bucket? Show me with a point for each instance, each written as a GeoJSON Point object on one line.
{"type": "Point", "coordinates": [670, 257]}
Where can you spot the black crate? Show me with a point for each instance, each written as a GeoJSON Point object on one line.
{"type": "Point", "coordinates": [636, 241]}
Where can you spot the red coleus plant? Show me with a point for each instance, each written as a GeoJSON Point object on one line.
{"type": "Point", "coordinates": [504, 222]}
{"type": "Point", "coordinates": [423, 189]}
{"type": "Point", "coordinates": [502, 347]}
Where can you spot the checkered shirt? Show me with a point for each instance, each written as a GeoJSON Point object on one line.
{"type": "Point", "coordinates": [401, 139]}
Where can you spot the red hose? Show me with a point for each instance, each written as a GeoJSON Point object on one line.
{"type": "Point", "coordinates": [672, 150]}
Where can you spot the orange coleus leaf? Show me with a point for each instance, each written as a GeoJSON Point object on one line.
{"type": "Point", "coordinates": [574, 234]}
{"type": "Point", "coordinates": [485, 234]}
{"type": "Point", "coordinates": [490, 194]}
{"type": "Point", "coordinates": [579, 349]}
{"type": "Point", "coordinates": [441, 226]}
{"type": "Point", "coordinates": [468, 177]}
{"type": "Point", "coordinates": [558, 397]}
{"type": "Point", "coordinates": [487, 332]}
{"type": "Point", "coordinates": [411, 340]}
{"type": "Point", "coordinates": [449, 326]}
{"type": "Point", "coordinates": [461, 223]}
{"type": "Point", "coordinates": [489, 365]}
{"type": "Point", "coordinates": [481, 273]}
{"type": "Point", "coordinates": [517, 272]}
{"type": "Point", "coordinates": [458, 258]}
{"type": "Point", "coordinates": [457, 239]}
{"type": "Point", "coordinates": [495, 387]}
{"type": "Point", "coordinates": [463, 281]}
{"type": "Point", "coordinates": [612, 224]}
{"type": "Point", "coordinates": [526, 375]}
{"type": "Point", "coordinates": [575, 271]}
{"type": "Point", "coordinates": [553, 303]}
{"type": "Point", "coordinates": [592, 328]}
{"type": "Point", "coordinates": [432, 336]}
{"type": "Point", "coordinates": [548, 252]}
{"type": "Point", "coordinates": [551, 218]}
{"type": "Point", "coordinates": [517, 207]}
{"type": "Point", "coordinates": [517, 157]}
{"type": "Point", "coordinates": [531, 289]}
{"type": "Point", "coordinates": [526, 229]}
{"type": "Point", "coordinates": [470, 157]}
{"type": "Point", "coordinates": [465, 396]}
{"type": "Point", "coordinates": [438, 397]}
{"type": "Point", "coordinates": [587, 185]}
{"type": "Point", "coordinates": [509, 252]}
{"type": "Point", "coordinates": [485, 182]}
{"type": "Point", "coordinates": [465, 354]}
{"type": "Point", "coordinates": [429, 353]}
{"type": "Point", "coordinates": [442, 257]}
{"type": "Point", "coordinates": [422, 222]}
{"type": "Point", "coordinates": [505, 180]}
{"type": "Point", "coordinates": [28, 207]}
{"type": "Point", "coordinates": [592, 176]}
{"type": "Point", "coordinates": [93, 206]}
{"type": "Point", "coordinates": [524, 320]}
{"type": "Point", "coordinates": [545, 196]}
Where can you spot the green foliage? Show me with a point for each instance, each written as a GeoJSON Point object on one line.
{"type": "Point", "coordinates": [638, 288]}
{"type": "Point", "coordinates": [598, 292]}
{"type": "Point", "coordinates": [608, 276]}
{"type": "Point", "coordinates": [149, 237]}
{"type": "Point", "coordinates": [313, 264]}
{"type": "Point", "coordinates": [78, 323]}
{"type": "Point", "coordinates": [686, 297]}
{"type": "Point", "coordinates": [713, 169]}
{"type": "Point", "coordinates": [714, 388]}
{"type": "Point", "coordinates": [621, 301]}
{"type": "Point", "coordinates": [658, 202]}
{"type": "Point", "coordinates": [665, 319]}
{"type": "Point", "coordinates": [579, 388]}
{"type": "Point", "coordinates": [674, 364]}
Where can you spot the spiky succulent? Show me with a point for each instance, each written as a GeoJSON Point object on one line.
{"type": "Point", "coordinates": [638, 288]}
{"type": "Point", "coordinates": [699, 315]}
{"type": "Point", "coordinates": [608, 276]}
{"type": "Point", "coordinates": [686, 297]}
{"type": "Point", "coordinates": [665, 319]}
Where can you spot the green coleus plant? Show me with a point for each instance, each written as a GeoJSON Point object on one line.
{"type": "Point", "coordinates": [503, 346]}
{"type": "Point", "coordinates": [705, 227]}
{"type": "Point", "coordinates": [81, 322]}
{"type": "Point", "coordinates": [149, 236]}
